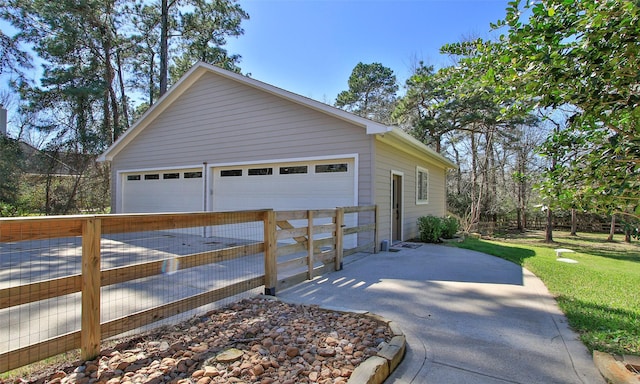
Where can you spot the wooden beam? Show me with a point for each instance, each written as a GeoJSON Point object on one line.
{"type": "Point", "coordinates": [289, 231]}
{"type": "Point", "coordinates": [40, 351]}
{"type": "Point", "coordinates": [310, 259]}
{"type": "Point", "coordinates": [290, 281]}
{"type": "Point", "coordinates": [324, 228]}
{"type": "Point", "coordinates": [358, 229]}
{"type": "Point", "coordinates": [40, 228]}
{"type": "Point", "coordinates": [322, 213]}
{"type": "Point", "coordinates": [270, 254]}
{"type": "Point", "coordinates": [42, 290]}
{"type": "Point", "coordinates": [90, 317]}
{"type": "Point", "coordinates": [177, 307]}
{"type": "Point", "coordinates": [361, 208]}
{"type": "Point", "coordinates": [290, 215]}
{"type": "Point", "coordinates": [293, 263]}
{"type": "Point", "coordinates": [298, 234]}
{"type": "Point", "coordinates": [339, 221]}
{"type": "Point", "coordinates": [137, 271]}
{"type": "Point", "coordinates": [157, 222]}
{"type": "Point", "coordinates": [291, 249]}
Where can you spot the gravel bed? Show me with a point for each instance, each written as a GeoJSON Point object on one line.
{"type": "Point", "coordinates": [256, 340]}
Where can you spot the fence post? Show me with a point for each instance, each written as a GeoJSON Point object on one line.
{"type": "Point", "coordinates": [90, 321]}
{"type": "Point", "coordinates": [339, 238]}
{"type": "Point", "coordinates": [376, 240]}
{"type": "Point", "coordinates": [270, 252]}
{"type": "Point", "coordinates": [310, 256]}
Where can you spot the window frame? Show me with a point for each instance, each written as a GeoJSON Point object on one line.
{"type": "Point", "coordinates": [419, 186]}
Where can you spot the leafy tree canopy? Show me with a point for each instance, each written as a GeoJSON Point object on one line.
{"type": "Point", "coordinates": [582, 56]}
{"type": "Point", "coordinates": [372, 92]}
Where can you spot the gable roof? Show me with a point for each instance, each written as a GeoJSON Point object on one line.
{"type": "Point", "coordinates": [201, 68]}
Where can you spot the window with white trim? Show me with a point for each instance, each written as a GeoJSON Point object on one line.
{"type": "Point", "coordinates": [422, 185]}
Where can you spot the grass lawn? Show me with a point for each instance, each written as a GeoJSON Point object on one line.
{"type": "Point", "coordinates": [600, 295]}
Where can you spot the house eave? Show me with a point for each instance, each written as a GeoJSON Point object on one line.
{"type": "Point", "coordinates": [407, 143]}
{"type": "Point", "coordinates": [371, 127]}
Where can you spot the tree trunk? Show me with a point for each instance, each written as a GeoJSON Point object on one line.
{"type": "Point", "coordinates": [164, 50]}
{"type": "Point", "coordinates": [548, 236]}
{"type": "Point", "coordinates": [612, 228]}
{"type": "Point", "coordinates": [475, 214]}
{"type": "Point", "coordinates": [574, 222]}
{"type": "Point", "coordinates": [523, 190]}
{"type": "Point", "coordinates": [123, 93]}
{"type": "Point", "coordinates": [458, 171]}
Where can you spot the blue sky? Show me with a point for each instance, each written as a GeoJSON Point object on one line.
{"type": "Point", "coordinates": [310, 47]}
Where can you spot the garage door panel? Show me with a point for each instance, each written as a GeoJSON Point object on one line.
{"type": "Point", "coordinates": [283, 191]}
{"type": "Point", "coordinates": [148, 192]}
{"type": "Point", "coordinates": [289, 191]}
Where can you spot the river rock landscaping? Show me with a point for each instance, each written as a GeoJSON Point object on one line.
{"type": "Point", "coordinates": [257, 340]}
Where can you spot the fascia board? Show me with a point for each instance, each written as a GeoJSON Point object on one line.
{"type": "Point", "coordinates": [407, 143]}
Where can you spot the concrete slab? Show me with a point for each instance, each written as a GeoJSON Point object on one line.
{"type": "Point", "coordinates": [468, 317]}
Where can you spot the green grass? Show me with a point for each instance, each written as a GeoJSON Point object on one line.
{"type": "Point", "coordinates": [600, 295]}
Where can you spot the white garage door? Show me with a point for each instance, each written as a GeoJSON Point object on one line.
{"type": "Point", "coordinates": [179, 190]}
{"type": "Point", "coordinates": [285, 186]}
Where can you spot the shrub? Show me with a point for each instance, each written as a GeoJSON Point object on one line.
{"type": "Point", "coordinates": [451, 227]}
{"type": "Point", "coordinates": [433, 228]}
{"type": "Point", "coordinates": [430, 228]}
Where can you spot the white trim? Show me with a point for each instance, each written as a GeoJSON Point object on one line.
{"type": "Point", "coordinates": [401, 174]}
{"type": "Point", "coordinates": [160, 169]}
{"type": "Point", "coordinates": [285, 160]}
{"type": "Point", "coordinates": [423, 170]}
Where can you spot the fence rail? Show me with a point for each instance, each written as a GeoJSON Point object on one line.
{"type": "Point", "coordinates": [295, 246]}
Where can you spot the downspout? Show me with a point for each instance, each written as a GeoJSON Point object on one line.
{"type": "Point", "coordinates": [205, 187]}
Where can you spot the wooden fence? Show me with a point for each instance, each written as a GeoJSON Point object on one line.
{"type": "Point", "coordinates": [312, 240]}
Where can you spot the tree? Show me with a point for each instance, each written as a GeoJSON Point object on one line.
{"type": "Point", "coordinates": [372, 92]}
{"type": "Point", "coordinates": [10, 159]}
{"type": "Point", "coordinates": [201, 29]}
{"type": "Point", "coordinates": [12, 57]}
{"type": "Point", "coordinates": [582, 54]}
{"type": "Point", "coordinates": [422, 110]}
{"type": "Point", "coordinates": [144, 65]}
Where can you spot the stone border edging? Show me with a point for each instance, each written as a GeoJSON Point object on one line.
{"type": "Point", "coordinates": [613, 370]}
{"type": "Point", "coordinates": [376, 369]}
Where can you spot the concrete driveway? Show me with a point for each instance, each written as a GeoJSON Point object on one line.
{"type": "Point", "coordinates": [468, 317]}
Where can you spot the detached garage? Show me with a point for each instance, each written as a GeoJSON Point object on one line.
{"type": "Point", "coordinates": [220, 141]}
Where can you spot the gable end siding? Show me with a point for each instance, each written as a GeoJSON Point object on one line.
{"type": "Point", "coordinates": [220, 121]}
